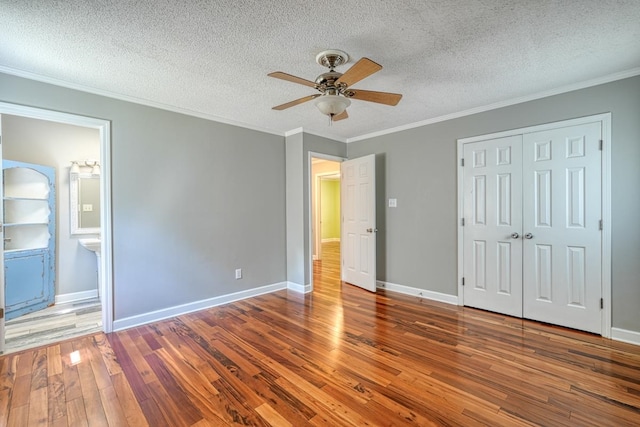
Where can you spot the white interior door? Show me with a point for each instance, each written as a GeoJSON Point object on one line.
{"type": "Point", "coordinates": [358, 231]}
{"type": "Point", "coordinates": [2, 304]}
{"type": "Point", "coordinates": [493, 225]}
{"type": "Point", "coordinates": [532, 242]}
{"type": "Point", "coordinates": [562, 212]}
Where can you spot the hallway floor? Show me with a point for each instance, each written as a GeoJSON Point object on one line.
{"type": "Point", "coordinates": [55, 323]}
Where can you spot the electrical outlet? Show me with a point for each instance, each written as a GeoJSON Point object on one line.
{"type": "Point", "coordinates": [238, 273]}
{"type": "Point", "coordinates": [393, 203]}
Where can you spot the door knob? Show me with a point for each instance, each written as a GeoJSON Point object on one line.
{"type": "Point", "coordinates": [372, 230]}
{"type": "Point", "coordinates": [514, 235]}
{"type": "Point", "coordinates": [528, 236]}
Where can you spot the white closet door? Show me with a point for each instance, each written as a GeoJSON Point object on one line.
{"type": "Point", "coordinates": [493, 225]}
{"type": "Point", "coordinates": [562, 212]}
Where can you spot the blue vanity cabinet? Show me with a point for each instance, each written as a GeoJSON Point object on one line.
{"type": "Point", "coordinates": [29, 237]}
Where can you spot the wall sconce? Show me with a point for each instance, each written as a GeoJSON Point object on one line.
{"type": "Point", "coordinates": [74, 167]}
{"type": "Point", "coordinates": [89, 163]}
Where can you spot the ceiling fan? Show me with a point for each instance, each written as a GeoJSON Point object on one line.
{"type": "Point", "coordinates": [335, 88]}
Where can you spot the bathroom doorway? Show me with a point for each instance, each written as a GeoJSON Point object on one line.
{"type": "Point", "coordinates": [325, 222]}
{"type": "Point", "coordinates": [82, 280]}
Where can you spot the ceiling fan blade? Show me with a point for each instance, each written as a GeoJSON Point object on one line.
{"type": "Point", "coordinates": [379, 97]}
{"type": "Point", "coordinates": [296, 102]}
{"type": "Point", "coordinates": [293, 79]}
{"type": "Point", "coordinates": [340, 116]}
{"type": "Point", "coordinates": [361, 69]}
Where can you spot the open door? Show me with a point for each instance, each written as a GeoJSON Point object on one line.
{"type": "Point", "coordinates": [358, 231]}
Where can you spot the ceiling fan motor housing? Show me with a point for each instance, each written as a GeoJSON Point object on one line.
{"type": "Point", "coordinates": [327, 82]}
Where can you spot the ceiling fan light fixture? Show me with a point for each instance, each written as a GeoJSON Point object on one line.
{"type": "Point", "coordinates": [332, 105]}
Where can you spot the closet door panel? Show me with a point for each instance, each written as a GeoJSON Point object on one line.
{"type": "Point", "coordinates": [493, 212]}
{"type": "Point", "coordinates": [561, 217]}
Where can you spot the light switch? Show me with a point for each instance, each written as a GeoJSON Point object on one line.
{"type": "Point", "coordinates": [393, 203]}
{"type": "Point", "coordinates": [87, 208]}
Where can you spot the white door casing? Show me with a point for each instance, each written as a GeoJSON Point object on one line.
{"type": "Point", "coordinates": [104, 128]}
{"type": "Point", "coordinates": [562, 212]}
{"type": "Point", "coordinates": [566, 232]}
{"type": "Point", "coordinates": [2, 303]}
{"type": "Point", "coordinates": [493, 225]}
{"type": "Point", "coordinates": [358, 231]}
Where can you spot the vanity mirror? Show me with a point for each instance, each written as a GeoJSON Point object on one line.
{"type": "Point", "coordinates": [84, 198]}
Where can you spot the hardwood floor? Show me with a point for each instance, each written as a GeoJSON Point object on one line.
{"type": "Point", "coordinates": [339, 357]}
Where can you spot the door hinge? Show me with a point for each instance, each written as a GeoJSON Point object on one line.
{"type": "Point", "coordinates": [601, 303]}
{"type": "Point", "coordinates": [601, 144]}
{"type": "Point", "coordinates": [1, 313]}
{"type": "Point", "coordinates": [463, 281]}
{"type": "Point", "coordinates": [601, 225]}
{"type": "Point", "coordinates": [462, 222]}
{"type": "Point", "coordinates": [462, 162]}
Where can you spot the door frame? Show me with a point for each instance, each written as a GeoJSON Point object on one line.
{"type": "Point", "coordinates": [310, 205]}
{"type": "Point", "coordinates": [104, 129]}
{"type": "Point", "coordinates": [605, 120]}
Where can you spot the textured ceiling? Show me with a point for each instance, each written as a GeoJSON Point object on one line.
{"type": "Point", "coordinates": [211, 58]}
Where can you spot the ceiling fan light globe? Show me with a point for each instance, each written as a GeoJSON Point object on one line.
{"type": "Point", "coordinates": [332, 105]}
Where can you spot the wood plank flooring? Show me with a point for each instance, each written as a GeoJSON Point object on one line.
{"type": "Point", "coordinates": [53, 324]}
{"type": "Point", "coordinates": [339, 357]}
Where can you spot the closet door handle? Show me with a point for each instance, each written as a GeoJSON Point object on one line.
{"type": "Point", "coordinates": [528, 236]}
{"type": "Point", "coordinates": [515, 235]}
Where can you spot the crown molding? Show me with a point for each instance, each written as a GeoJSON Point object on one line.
{"type": "Point", "coordinates": [557, 91]}
{"type": "Point", "coordinates": [133, 99]}
{"type": "Point", "coordinates": [563, 89]}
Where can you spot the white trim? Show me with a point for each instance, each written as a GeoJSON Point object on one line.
{"type": "Point", "coordinates": [331, 239]}
{"type": "Point", "coordinates": [330, 137]}
{"type": "Point", "coordinates": [104, 128]}
{"type": "Point", "coordinates": [607, 291]}
{"type": "Point", "coordinates": [178, 310]}
{"type": "Point", "coordinates": [407, 290]}
{"type": "Point", "coordinates": [76, 296]}
{"type": "Point", "coordinates": [296, 287]}
{"type": "Point", "coordinates": [311, 155]}
{"type": "Point", "coordinates": [293, 132]}
{"type": "Point", "coordinates": [563, 89]}
{"type": "Point", "coordinates": [631, 337]}
{"type": "Point", "coordinates": [605, 120]}
{"type": "Point", "coordinates": [460, 229]}
{"type": "Point", "coordinates": [133, 99]}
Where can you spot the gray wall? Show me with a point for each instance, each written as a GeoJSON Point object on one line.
{"type": "Point", "coordinates": [192, 200]}
{"type": "Point", "coordinates": [417, 240]}
{"type": "Point", "coordinates": [298, 147]}
{"type": "Point", "coordinates": [56, 145]}
{"type": "Point", "coordinates": [295, 228]}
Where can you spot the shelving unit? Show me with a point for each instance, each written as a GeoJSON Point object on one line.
{"type": "Point", "coordinates": [29, 236]}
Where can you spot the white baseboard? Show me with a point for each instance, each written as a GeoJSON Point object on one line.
{"type": "Point", "coordinates": [331, 239]}
{"type": "Point", "coordinates": [631, 337]}
{"type": "Point", "coordinates": [154, 316]}
{"type": "Point", "coordinates": [435, 296]}
{"type": "Point", "coordinates": [296, 287]}
{"type": "Point", "coordinates": [76, 296]}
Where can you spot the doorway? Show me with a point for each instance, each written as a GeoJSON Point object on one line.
{"type": "Point", "coordinates": [324, 178]}
{"type": "Point", "coordinates": [91, 305]}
